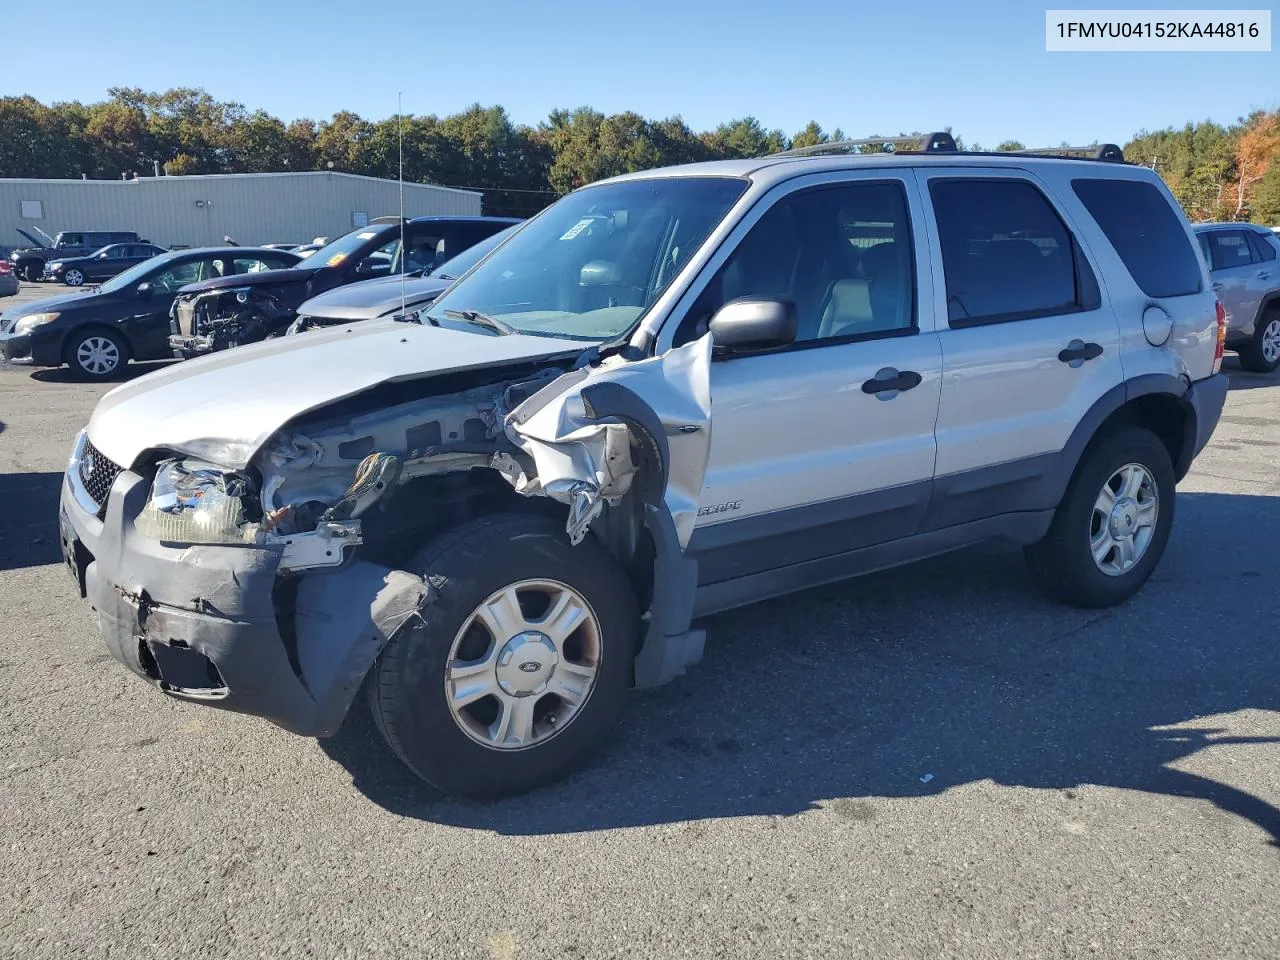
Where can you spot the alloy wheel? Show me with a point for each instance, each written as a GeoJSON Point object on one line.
{"type": "Point", "coordinates": [1124, 519]}
{"type": "Point", "coordinates": [523, 664]}
{"type": "Point", "coordinates": [74, 278]}
{"type": "Point", "coordinates": [1271, 341]}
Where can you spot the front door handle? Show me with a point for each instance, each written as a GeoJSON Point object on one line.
{"type": "Point", "coordinates": [1217, 284]}
{"type": "Point", "coordinates": [889, 382]}
{"type": "Point", "coordinates": [1264, 275]}
{"type": "Point", "coordinates": [1077, 352]}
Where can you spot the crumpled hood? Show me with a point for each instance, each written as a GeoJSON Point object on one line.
{"type": "Point", "coordinates": [249, 280]}
{"type": "Point", "coordinates": [225, 406]}
{"type": "Point", "coordinates": [372, 298]}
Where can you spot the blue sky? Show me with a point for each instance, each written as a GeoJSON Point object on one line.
{"type": "Point", "coordinates": [980, 67]}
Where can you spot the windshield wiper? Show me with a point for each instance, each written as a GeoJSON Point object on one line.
{"type": "Point", "coordinates": [481, 320]}
{"type": "Point", "coordinates": [416, 316]}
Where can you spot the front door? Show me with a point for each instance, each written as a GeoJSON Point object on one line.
{"type": "Point", "coordinates": [1232, 271]}
{"type": "Point", "coordinates": [824, 445]}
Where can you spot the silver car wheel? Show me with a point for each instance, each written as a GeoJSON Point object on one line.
{"type": "Point", "coordinates": [98, 356]}
{"type": "Point", "coordinates": [523, 664]}
{"type": "Point", "coordinates": [74, 278]}
{"type": "Point", "coordinates": [1271, 341]}
{"type": "Point", "coordinates": [1124, 519]}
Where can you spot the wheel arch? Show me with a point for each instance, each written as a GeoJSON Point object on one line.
{"type": "Point", "coordinates": [1156, 401]}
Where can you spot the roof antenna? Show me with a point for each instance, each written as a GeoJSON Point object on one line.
{"type": "Point", "coordinates": [404, 253]}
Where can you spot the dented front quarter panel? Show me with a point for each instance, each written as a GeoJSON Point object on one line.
{"type": "Point", "coordinates": [572, 429]}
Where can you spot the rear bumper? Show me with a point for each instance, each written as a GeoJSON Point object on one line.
{"type": "Point", "coordinates": [200, 622]}
{"type": "Point", "coordinates": [8, 285]}
{"type": "Point", "coordinates": [1207, 398]}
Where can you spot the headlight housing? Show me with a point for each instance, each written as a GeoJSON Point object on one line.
{"type": "Point", "coordinates": [32, 320]}
{"type": "Point", "coordinates": [197, 502]}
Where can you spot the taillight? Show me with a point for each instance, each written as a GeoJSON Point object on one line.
{"type": "Point", "coordinates": [4, 267]}
{"type": "Point", "coordinates": [1221, 346]}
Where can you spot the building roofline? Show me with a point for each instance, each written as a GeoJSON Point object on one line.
{"type": "Point", "coordinates": [239, 176]}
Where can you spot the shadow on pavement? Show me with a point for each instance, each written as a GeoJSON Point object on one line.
{"type": "Point", "coordinates": [29, 519]}
{"type": "Point", "coordinates": [954, 667]}
{"type": "Point", "coordinates": [1242, 379]}
{"type": "Point", "coordinates": [131, 372]}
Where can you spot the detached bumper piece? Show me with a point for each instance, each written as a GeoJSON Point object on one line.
{"type": "Point", "coordinates": [186, 347]}
{"type": "Point", "coordinates": [200, 621]}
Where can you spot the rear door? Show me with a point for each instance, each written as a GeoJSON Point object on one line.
{"type": "Point", "coordinates": [824, 445]}
{"type": "Point", "coordinates": [1232, 269]}
{"type": "Point", "coordinates": [1028, 345]}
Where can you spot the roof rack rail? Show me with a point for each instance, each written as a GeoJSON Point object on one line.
{"type": "Point", "coordinates": [918, 143]}
{"type": "Point", "coordinates": [1095, 151]}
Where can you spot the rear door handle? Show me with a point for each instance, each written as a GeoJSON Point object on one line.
{"type": "Point", "coordinates": [1217, 284]}
{"type": "Point", "coordinates": [889, 382]}
{"type": "Point", "coordinates": [1077, 352]}
{"type": "Point", "coordinates": [1263, 275]}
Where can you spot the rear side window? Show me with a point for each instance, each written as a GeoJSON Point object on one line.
{"type": "Point", "coordinates": [1006, 253]}
{"type": "Point", "coordinates": [1263, 249]}
{"type": "Point", "coordinates": [1146, 232]}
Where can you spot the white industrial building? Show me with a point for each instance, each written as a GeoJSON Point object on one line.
{"type": "Point", "coordinates": [196, 211]}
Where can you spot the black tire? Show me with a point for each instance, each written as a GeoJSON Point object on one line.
{"type": "Point", "coordinates": [1063, 563]}
{"type": "Point", "coordinates": [83, 365]}
{"type": "Point", "coordinates": [33, 272]}
{"type": "Point", "coordinates": [1253, 354]}
{"type": "Point", "coordinates": [465, 566]}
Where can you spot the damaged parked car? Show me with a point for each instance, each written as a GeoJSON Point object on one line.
{"type": "Point", "coordinates": [402, 296]}
{"type": "Point", "coordinates": [97, 331]}
{"type": "Point", "coordinates": [224, 312]}
{"type": "Point", "coordinates": [671, 393]}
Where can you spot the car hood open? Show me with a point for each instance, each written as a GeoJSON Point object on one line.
{"type": "Point", "coordinates": [373, 298]}
{"type": "Point", "coordinates": [225, 406]}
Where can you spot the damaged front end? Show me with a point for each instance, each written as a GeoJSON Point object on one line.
{"type": "Point", "coordinates": [279, 584]}
{"type": "Point", "coordinates": [211, 320]}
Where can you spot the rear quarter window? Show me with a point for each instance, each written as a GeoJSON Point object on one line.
{"type": "Point", "coordinates": [1146, 232]}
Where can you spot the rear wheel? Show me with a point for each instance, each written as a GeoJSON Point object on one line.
{"type": "Point", "coordinates": [1262, 353]}
{"type": "Point", "coordinates": [97, 354]}
{"type": "Point", "coordinates": [1111, 528]}
{"type": "Point", "coordinates": [520, 665]}
{"type": "Point", "coordinates": [32, 273]}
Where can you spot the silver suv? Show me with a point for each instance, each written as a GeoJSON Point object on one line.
{"type": "Point", "coordinates": [1246, 277]}
{"type": "Point", "coordinates": [669, 394]}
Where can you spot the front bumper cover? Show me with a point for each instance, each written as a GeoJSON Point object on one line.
{"type": "Point", "coordinates": [199, 621]}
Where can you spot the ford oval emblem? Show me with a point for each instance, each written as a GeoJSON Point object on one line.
{"type": "Point", "coordinates": [531, 666]}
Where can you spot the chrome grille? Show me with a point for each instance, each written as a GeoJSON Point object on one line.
{"type": "Point", "coordinates": [185, 311]}
{"type": "Point", "coordinates": [97, 473]}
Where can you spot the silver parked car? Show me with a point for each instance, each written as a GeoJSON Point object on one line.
{"type": "Point", "coordinates": [670, 393]}
{"type": "Point", "coordinates": [1245, 272]}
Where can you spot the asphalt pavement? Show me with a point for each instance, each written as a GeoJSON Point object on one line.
{"type": "Point", "coordinates": [933, 761]}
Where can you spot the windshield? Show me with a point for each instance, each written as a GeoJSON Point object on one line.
{"type": "Point", "coordinates": [136, 273]}
{"type": "Point", "coordinates": [455, 267]}
{"type": "Point", "coordinates": [344, 248]}
{"type": "Point", "coordinates": [590, 265]}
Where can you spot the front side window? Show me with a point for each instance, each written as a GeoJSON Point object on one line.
{"type": "Point", "coordinates": [590, 265]}
{"type": "Point", "coordinates": [257, 264]}
{"type": "Point", "coordinates": [119, 252]}
{"type": "Point", "coordinates": [193, 271]}
{"type": "Point", "coordinates": [1229, 248]}
{"type": "Point", "coordinates": [1006, 254]}
{"type": "Point", "coordinates": [842, 254]}
{"type": "Point", "coordinates": [1147, 233]}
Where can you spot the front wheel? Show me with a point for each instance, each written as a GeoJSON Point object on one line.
{"type": "Point", "coordinates": [73, 278]}
{"type": "Point", "coordinates": [1111, 528]}
{"type": "Point", "coordinates": [97, 354]}
{"type": "Point", "coordinates": [1262, 353]}
{"type": "Point", "coordinates": [520, 664]}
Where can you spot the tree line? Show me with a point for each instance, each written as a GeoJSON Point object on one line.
{"type": "Point", "coordinates": [1223, 172]}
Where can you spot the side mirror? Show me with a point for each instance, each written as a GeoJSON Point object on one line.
{"type": "Point", "coordinates": [751, 324]}
{"type": "Point", "coordinates": [143, 290]}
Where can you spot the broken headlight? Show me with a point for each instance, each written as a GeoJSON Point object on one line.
{"type": "Point", "coordinates": [197, 502]}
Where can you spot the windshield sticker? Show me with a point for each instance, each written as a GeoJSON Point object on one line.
{"type": "Point", "coordinates": [336, 259]}
{"type": "Point", "coordinates": [577, 228]}
{"type": "Point", "coordinates": [369, 235]}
